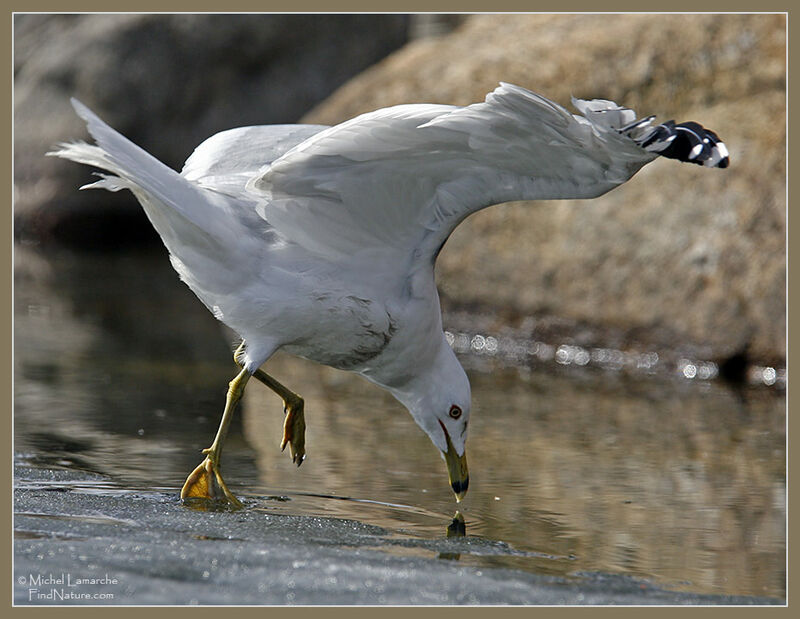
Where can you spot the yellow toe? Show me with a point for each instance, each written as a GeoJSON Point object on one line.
{"type": "Point", "coordinates": [205, 483]}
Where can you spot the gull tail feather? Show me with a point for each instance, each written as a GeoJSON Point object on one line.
{"type": "Point", "coordinates": [178, 209]}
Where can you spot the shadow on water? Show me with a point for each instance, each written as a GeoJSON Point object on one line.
{"type": "Point", "coordinates": [121, 371]}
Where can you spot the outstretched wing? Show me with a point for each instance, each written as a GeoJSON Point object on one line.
{"type": "Point", "coordinates": [397, 181]}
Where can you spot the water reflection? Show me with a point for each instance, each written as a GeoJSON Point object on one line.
{"type": "Point", "coordinates": [119, 370]}
{"type": "Point", "coordinates": [457, 527]}
{"type": "Point", "coordinates": [662, 480]}
{"type": "Point", "coordinates": [203, 504]}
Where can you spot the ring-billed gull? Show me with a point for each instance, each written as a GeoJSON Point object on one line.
{"type": "Point", "coordinates": [321, 241]}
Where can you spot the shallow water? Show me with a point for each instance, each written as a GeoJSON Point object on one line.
{"type": "Point", "coordinates": [120, 370]}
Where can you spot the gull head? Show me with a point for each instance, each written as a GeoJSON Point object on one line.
{"type": "Point", "coordinates": [438, 398]}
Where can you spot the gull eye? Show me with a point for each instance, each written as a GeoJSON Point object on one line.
{"type": "Point", "coordinates": [455, 412]}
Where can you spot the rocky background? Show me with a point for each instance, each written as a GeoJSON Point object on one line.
{"type": "Point", "coordinates": [679, 255]}
{"type": "Point", "coordinates": [167, 82]}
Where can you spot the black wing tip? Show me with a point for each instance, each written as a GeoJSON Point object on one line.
{"type": "Point", "coordinates": [689, 142]}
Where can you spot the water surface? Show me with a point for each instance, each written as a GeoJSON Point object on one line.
{"type": "Point", "coordinates": [121, 371]}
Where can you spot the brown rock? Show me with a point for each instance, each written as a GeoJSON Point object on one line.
{"type": "Point", "coordinates": [678, 254]}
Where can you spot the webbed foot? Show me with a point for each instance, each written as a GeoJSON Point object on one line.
{"type": "Point", "coordinates": [206, 482]}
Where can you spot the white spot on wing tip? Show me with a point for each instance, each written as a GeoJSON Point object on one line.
{"type": "Point", "coordinates": [696, 151]}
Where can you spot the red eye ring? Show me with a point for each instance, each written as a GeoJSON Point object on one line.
{"type": "Point", "coordinates": [455, 412]}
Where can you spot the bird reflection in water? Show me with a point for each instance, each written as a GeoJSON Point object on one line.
{"type": "Point", "coordinates": [456, 528]}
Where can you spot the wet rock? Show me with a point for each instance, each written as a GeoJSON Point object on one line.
{"type": "Point", "coordinates": [680, 253]}
{"type": "Point", "coordinates": [167, 82]}
{"type": "Point", "coordinates": [77, 547]}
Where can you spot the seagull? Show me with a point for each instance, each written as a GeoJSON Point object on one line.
{"type": "Point", "coordinates": [321, 241]}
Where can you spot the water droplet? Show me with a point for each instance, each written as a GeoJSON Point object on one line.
{"type": "Point", "coordinates": [564, 355]}
{"type": "Point", "coordinates": [582, 357]}
{"type": "Point", "coordinates": [689, 370]}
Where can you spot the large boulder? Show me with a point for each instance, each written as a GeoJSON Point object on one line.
{"type": "Point", "coordinates": [680, 253]}
{"type": "Point", "coordinates": [167, 82]}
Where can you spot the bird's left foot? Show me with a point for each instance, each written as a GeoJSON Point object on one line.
{"type": "Point", "coordinates": [206, 483]}
{"type": "Point", "coordinates": [294, 424]}
{"type": "Point", "coordinates": [294, 429]}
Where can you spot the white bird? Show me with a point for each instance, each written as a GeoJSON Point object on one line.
{"type": "Point", "coordinates": [321, 241]}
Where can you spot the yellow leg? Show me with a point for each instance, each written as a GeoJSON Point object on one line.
{"type": "Point", "coordinates": [294, 425]}
{"type": "Point", "coordinates": [206, 480]}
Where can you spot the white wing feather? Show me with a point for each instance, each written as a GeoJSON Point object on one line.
{"type": "Point", "coordinates": [227, 160]}
{"type": "Point", "coordinates": [399, 180]}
